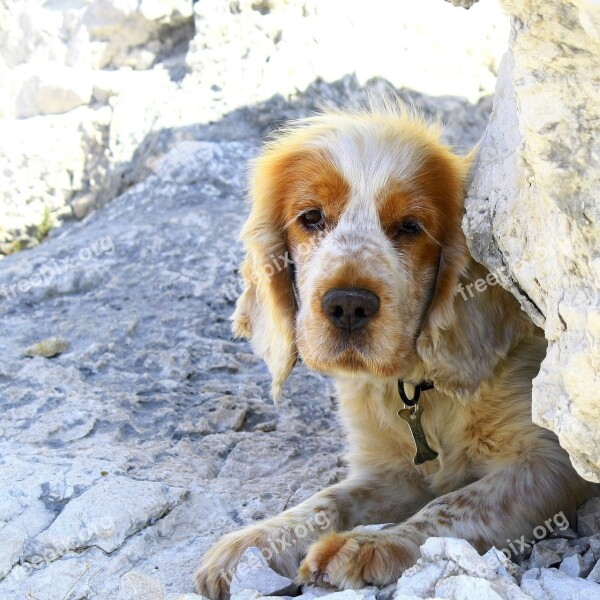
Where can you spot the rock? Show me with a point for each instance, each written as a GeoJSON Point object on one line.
{"type": "Point", "coordinates": [47, 348]}
{"type": "Point", "coordinates": [579, 546]}
{"type": "Point", "coordinates": [451, 568]}
{"type": "Point", "coordinates": [460, 552]}
{"type": "Point", "coordinates": [542, 556]}
{"type": "Point", "coordinates": [500, 564]}
{"type": "Point", "coordinates": [349, 595]}
{"type": "Point", "coordinates": [589, 524]}
{"type": "Point", "coordinates": [595, 545]}
{"type": "Point", "coordinates": [464, 587]}
{"type": "Point", "coordinates": [54, 90]}
{"type": "Point", "coordinates": [594, 574]}
{"type": "Point", "coordinates": [537, 170]}
{"type": "Point", "coordinates": [551, 584]}
{"type": "Point", "coordinates": [558, 545]}
{"type": "Point", "coordinates": [421, 579]}
{"type": "Point", "coordinates": [588, 517]}
{"type": "Point", "coordinates": [310, 592]}
{"type": "Point", "coordinates": [576, 566]}
{"type": "Point", "coordinates": [245, 594]}
{"type": "Point", "coordinates": [137, 586]}
{"type": "Point", "coordinates": [104, 516]}
{"type": "Point", "coordinates": [253, 573]}
{"type": "Point", "coordinates": [191, 597]}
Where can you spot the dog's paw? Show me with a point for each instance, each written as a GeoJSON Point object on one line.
{"type": "Point", "coordinates": [219, 564]}
{"type": "Point", "coordinates": [356, 559]}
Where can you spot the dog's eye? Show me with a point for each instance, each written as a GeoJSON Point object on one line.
{"type": "Point", "coordinates": [409, 226]}
{"type": "Point", "coordinates": [313, 218]}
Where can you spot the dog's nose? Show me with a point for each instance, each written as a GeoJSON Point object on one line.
{"type": "Point", "coordinates": [350, 308]}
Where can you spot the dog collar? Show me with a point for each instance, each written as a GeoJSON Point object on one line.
{"type": "Point", "coordinates": [412, 416]}
{"type": "Point", "coordinates": [420, 387]}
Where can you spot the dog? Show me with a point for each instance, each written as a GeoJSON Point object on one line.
{"type": "Point", "coordinates": [355, 259]}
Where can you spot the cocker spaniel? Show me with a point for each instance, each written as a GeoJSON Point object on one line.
{"type": "Point", "coordinates": [355, 263]}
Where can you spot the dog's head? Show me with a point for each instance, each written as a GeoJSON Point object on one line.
{"type": "Point", "coordinates": [354, 246]}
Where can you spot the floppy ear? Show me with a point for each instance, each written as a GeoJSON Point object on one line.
{"type": "Point", "coordinates": [265, 312]}
{"type": "Point", "coordinates": [467, 331]}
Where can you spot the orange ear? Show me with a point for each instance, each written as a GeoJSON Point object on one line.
{"type": "Point", "coordinates": [465, 336]}
{"type": "Point", "coordinates": [265, 312]}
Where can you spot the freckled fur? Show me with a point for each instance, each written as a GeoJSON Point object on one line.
{"type": "Point", "coordinates": [498, 475]}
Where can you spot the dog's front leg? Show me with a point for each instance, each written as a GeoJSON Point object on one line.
{"type": "Point", "coordinates": [284, 539]}
{"type": "Point", "coordinates": [508, 504]}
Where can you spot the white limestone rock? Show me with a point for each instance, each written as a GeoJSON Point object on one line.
{"type": "Point", "coordinates": [532, 214]}
{"type": "Point", "coordinates": [552, 584]}
{"type": "Point", "coordinates": [465, 587]}
{"type": "Point", "coordinates": [452, 568]}
{"type": "Point", "coordinates": [254, 573]}
{"type": "Point", "coordinates": [104, 516]}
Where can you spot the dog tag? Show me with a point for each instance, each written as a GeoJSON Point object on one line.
{"type": "Point", "coordinates": [413, 417]}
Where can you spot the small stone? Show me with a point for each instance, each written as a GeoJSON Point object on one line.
{"type": "Point", "coordinates": [579, 546]}
{"type": "Point", "coordinates": [595, 545]}
{"type": "Point", "coordinates": [588, 524]}
{"type": "Point", "coordinates": [543, 557]}
{"type": "Point", "coordinates": [499, 563]}
{"type": "Point", "coordinates": [47, 348]}
{"type": "Point", "coordinates": [595, 573]}
{"type": "Point", "coordinates": [558, 545]}
{"type": "Point", "coordinates": [82, 206]}
{"type": "Point", "coordinates": [135, 586]}
{"type": "Point", "coordinates": [253, 573]}
{"type": "Point", "coordinates": [573, 566]}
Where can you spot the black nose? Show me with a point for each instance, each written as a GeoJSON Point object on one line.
{"type": "Point", "coordinates": [350, 308]}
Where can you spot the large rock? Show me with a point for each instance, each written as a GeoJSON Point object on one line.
{"type": "Point", "coordinates": [532, 212]}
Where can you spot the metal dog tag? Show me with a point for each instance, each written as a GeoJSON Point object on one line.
{"type": "Point", "coordinates": [413, 417]}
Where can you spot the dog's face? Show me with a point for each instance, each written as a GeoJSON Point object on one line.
{"type": "Point", "coordinates": [362, 214]}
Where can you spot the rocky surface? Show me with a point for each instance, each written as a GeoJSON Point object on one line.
{"type": "Point", "coordinates": [90, 88]}
{"type": "Point", "coordinates": [533, 215]}
{"type": "Point", "coordinates": [134, 431]}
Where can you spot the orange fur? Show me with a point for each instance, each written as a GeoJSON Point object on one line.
{"type": "Point", "coordinates": [497, 475]}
